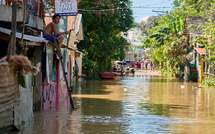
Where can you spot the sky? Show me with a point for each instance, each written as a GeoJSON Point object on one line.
{"type": "Point", "coordinates": [144, 8]}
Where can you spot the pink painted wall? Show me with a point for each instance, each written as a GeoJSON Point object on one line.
{"type": "Point", "coordinates": [55, 95]}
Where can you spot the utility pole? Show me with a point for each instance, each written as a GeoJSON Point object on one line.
{"type": "Point", "coordinates": [160, 12]}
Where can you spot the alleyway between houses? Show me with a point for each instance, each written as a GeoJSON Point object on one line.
{"type": "Point", "coordinates": [143, 103]}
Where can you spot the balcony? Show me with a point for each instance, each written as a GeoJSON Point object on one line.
{"type": "Point", "coordinates": [31, 19]}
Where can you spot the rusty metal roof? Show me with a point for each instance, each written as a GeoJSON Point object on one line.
{"type": "Point", "coordinates": [201, 51]}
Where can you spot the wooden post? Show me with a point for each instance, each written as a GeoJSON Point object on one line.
{"type": "Point", "coordinates": [38, 82]}
{"type": "Point", "coordinates": [13, 26]}
{"type": "Point", "coordinates": [9, 48]}
{"type": "Point", "coordinates": [23, 26]}
{"type": "Point", "coordinates": [202, 69]}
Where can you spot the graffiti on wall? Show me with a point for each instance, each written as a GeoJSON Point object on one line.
{"type": "Point", "coordinates": [49, 96]}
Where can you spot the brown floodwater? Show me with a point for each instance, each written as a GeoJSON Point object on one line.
{"type": "Point", "coordinates": [138, 104]}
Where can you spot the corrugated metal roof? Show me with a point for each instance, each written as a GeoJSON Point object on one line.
{"type": "Point", "coordinates": [26, 37]}
{"type": "Point", "coordinates": [201, 51]}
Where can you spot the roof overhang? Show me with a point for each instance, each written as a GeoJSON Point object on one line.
{"type": "Point", "coordinates": [28, 39]}
{"type": "Point", "coordinates": [78, 53]}
{"type": "Point", "coordinates": [201, 51]}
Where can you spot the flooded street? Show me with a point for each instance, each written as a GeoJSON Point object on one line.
{"type": "Point", "coordinates": [132, 104]}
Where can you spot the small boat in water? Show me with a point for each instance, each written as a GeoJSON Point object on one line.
{"type": "Point", "coordinates": [107, 75]}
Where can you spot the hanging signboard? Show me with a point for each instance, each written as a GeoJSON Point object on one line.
{"type": "Point", "coordinates": [66, 7]}
{"type": "Point", "coordinates": [71, 38]}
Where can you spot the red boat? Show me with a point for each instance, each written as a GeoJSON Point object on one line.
{"type": "Point", "coordinates": [107, 75]}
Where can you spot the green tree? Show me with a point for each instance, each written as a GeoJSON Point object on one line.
{"type": "Point", "coordinates": [207, 39]}
{"type": "Point", "coordinates": [104, 20]}
{"type": "Point", "coordinates": [167, 39]}
{"type": "Point", "coordinates": [198, 5]}
{"type": "Point", "coordinates": [167, 42]}
{"type": "Point", "coordinates": [144, 26]}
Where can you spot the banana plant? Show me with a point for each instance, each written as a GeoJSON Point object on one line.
{"type": "Point", "coordinates": [161, 36]}
{"type": "Point", "coordinates": [175, 29]}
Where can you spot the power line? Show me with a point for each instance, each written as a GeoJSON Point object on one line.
{"type": "Point", "coordinates": [150, 7]}
{"type": "Point", "coordinates": [159, 3]}
{"type": "Point", "coordinates": [143, 13]}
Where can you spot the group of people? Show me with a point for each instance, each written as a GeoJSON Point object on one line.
{"type": "Point", "coordinates": [143, 66]}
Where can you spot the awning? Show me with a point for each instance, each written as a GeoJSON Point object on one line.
{"type": "Point", "coordinates": [201, 51]}
{"type": "Point", "coordinates": [26, 37]}
{"type": "Point", "coordinates": [77, 53]}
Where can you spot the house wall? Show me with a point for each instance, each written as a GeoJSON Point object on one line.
{"type": "Point", "coordinates": [186, 71]}
{"type": "Point", "coordinates": [80, 64]}
{"type": "Point", "coordinates": [55, 94]}
{"type": "Point", "coordinates": [49, 94]}
{"type": "Point", "coordinates": [64, 102]}
{"type": "Point", "coordinates": [129, 57]}
{"type": "Point", "coordinates": [23, 112]}
{"type": "Point", "coordinates": [6, 15]}
{"type": "Point", "coordinates": [31, 20]}
{"type": "Point", "coordinates": [198, 65]}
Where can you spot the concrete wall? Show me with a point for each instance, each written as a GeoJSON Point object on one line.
{"type": "Point", "coordinates": [80, 64]}
{"type": "Point", "coordinates": [186, 71]}
{"type": "Point", "coordinates": [6, 13]}
{"type": "Point", "coordinates": [34, 22]}
{"type": "Point", "coordinates": [31, 20]}
{"type": "Point", "coordinates": [23, 113]}
{"type": "Point", "coordinates": [198, 65]}
{"type": "Point", "coordinates": [129, 57]}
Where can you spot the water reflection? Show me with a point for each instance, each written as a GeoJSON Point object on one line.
{"type": "Point", "coordinates": [139, 104]}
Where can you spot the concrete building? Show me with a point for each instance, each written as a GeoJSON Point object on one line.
{"type": "Point", "coordinates": [129, 57]}
{"type": "Point", "coordinates": [133, 36]}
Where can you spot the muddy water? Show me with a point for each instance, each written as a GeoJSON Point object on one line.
{"type": "Point", "coordinates": [139, 104]}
